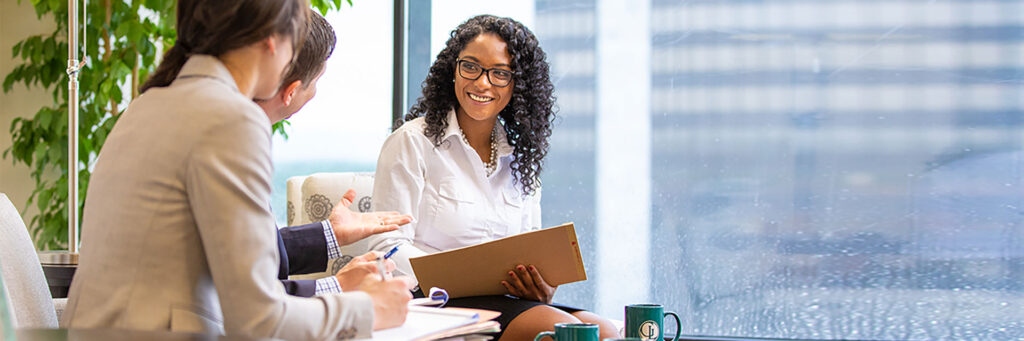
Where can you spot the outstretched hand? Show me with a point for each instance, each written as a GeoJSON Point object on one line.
{"type": "Point", "coordinates": [526, 282]}
{"type": "Point", "coordinates": [349, 227]}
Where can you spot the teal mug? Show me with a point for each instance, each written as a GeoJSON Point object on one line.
{"type": "Point", "coordinates": [572, 332]}
{"type": "Point", "coordinates": [646, 321]}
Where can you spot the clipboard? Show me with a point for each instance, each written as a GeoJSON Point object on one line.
{"type": "Point", "coordinates": [478, 270]}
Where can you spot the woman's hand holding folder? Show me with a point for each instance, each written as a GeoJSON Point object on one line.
{"type": "Point", "coordinates": [526, 282]}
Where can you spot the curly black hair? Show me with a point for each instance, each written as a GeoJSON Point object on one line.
{"type": "Point", "coordinates": [530, 112]}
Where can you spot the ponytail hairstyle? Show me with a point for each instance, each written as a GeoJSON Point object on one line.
{"type": "Point", "coordinates": [218, 26]}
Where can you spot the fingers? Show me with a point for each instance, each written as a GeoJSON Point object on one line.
{"type": "Point", "coordinates": [410, 283]}
{"type": "Point", "coordinates": [369, 256]}
{"type": "Point", "coordinates": [399, 219]}
{"type": "Point", "coordinates": [526, 277]}
{"type": "Point", "coordinates": [370, 267]}
{"type": "Point", "coordinates": [511, 291]}
{"type": "Point", "coordinates": [517, 283]}
{"type": "Point", "coordinates": [537, 279]}
{"type": "Point", "coordinates": [392, 218]}
{"type": "Point", "coordinates": [348, 198]}
{"type": "Point", "coordinates": [382, 229]}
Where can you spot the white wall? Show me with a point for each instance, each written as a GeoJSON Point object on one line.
{"type": "Point", "coordinates": [17, 21]}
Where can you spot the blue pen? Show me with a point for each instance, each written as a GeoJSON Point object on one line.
{"type": "Point", "coordinates": [380, 261]}
{"type": "Point", "coordinates": [391, 253]}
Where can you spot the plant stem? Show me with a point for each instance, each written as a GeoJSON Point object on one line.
{"type": "Point", "coordinates": [108, 48]}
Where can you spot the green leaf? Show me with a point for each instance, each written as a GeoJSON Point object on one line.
{"type": "Point", "coordinates": [136, 32]}
{"type": "Point", "coordinates": [86, 148]}
{"type": "Point", "coordinates": [44, 117]}
{"type": "Point", "coordinates": [11, 78]}
{"type": "Point", "coordinates": [44, 198]}
{"type": "Point", "coordinates": [49, 47]}
{"type": "Point", "coordinates": [56, 4]}
{"type": "Point", "coordinates": [15, 50]}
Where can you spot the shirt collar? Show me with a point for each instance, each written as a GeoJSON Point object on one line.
{"type": "Point", "coordinates": [202, 65]}
{"type": "Point", "coordinates": [504, 149]}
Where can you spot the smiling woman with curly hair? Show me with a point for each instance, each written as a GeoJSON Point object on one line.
{"type": "Point", "coordinates": [466, 163]}
{"type": "Point", "coordinates": [526, 115]}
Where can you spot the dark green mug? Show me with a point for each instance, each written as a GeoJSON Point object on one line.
{"type": "Point", "coordinates": [572, 332]}
{"type": "Point", "coordinates": [646, 321]}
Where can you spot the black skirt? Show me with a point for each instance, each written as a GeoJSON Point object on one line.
{"type": "Point", "coordinates": [509, 306]}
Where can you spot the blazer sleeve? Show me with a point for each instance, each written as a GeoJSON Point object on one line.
{"type": "Point", "coordinates": [300, 288]}
{"type": "Point", "coordinates": [305, 247]}
{"type": "Point", "coordinates": [227, 178]}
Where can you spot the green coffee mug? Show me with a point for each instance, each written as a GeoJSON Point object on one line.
{"type": "Point", "coordinates": [572, 332]}
{"type": "Point", "coordinates": [646, 321]}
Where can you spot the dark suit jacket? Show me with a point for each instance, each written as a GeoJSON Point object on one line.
{"type": "Point", "coordinates": [303, 250]}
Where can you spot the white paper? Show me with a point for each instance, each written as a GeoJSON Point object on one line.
{"type": "Point", "coordinates": [423, 321]}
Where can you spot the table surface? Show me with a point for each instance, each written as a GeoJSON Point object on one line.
{"type": "Point", "coordinates": [117, 334]}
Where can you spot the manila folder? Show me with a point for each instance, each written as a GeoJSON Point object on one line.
{"type": "Point", "coordinates": [479, 269]}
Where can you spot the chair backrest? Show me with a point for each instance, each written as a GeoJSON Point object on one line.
{"type": "Point", "coordinates": [6, 320]}
{"type": "Point", "coordinates": [311, 199]}
{"type": "Point", "coordinates": [29, 295]}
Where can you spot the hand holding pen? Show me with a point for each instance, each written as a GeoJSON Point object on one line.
{"type": "Point", "coordinates": [351, 276]}
{"type": "Point", "coordinates": [381, 260]}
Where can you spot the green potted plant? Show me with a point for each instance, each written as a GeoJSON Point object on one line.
{"type": "Point", "coordinates": [122, 41]}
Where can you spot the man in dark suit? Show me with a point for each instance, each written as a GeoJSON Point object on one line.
{"type": "Point", "coordinates": [308, 248]}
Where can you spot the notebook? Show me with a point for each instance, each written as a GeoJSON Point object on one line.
{"type": "Point", "coordinates": [424, 323]}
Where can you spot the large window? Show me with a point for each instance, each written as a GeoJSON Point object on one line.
{"type": "Point", "coordinates": [343, 127]}
{"type": "Point", "coordinates": [796, 169]}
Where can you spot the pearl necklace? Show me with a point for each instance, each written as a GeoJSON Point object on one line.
{"type": "Point", "coordinates": [492, 165]}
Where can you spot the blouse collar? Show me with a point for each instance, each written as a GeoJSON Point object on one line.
{"type": "Point", "coordinates": [504, 149]}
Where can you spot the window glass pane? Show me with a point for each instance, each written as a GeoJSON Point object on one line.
{"type": "Point", "coordinates": [343, 127]}
{"type": "Point", "coordinates": [794, 169]}
{"type": "Point", "coordinates": [839, 169]}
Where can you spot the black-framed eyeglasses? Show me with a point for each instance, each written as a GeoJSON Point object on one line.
{"type": "Point", "coordinates": [472, 71]}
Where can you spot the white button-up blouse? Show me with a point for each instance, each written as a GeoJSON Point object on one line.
{"type": "Point", "coordinates": [447, 191]}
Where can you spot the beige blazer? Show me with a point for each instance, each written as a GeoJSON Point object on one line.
{"type": "Point", "coordinates": [177, 233]}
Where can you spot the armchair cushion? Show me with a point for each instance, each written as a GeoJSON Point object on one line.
{"type": "Point", "coordinates": [312, 198]}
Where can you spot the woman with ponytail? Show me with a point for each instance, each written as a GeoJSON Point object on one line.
{"type": "Point", "coordinates": [177, 231]}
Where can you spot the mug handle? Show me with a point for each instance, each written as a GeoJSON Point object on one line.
{"type": "Point", "coordinates": [543, 334]}
{"type": "Point", "coordinates": [679, 326]}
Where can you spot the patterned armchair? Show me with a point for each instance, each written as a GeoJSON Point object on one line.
{"type": "Point", "coordinates": [311, 199]}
